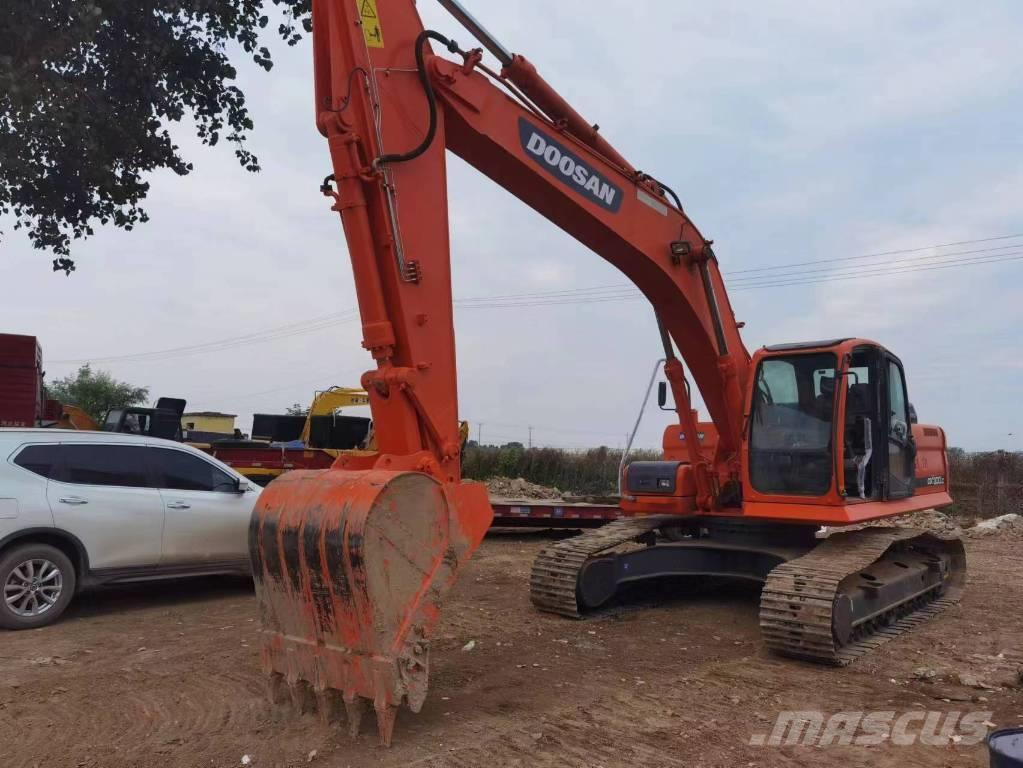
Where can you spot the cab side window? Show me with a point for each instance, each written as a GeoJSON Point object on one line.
{"type": "Point", "coordinates": [39, 459]}
{"type": "Point", "coordinates": [899, 423]}
{"type": "Point", "coordinates": [181, 471]}
{"type": "Point", "coordinates": [119, 465]}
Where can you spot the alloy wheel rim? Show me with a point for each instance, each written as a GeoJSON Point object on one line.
{"type": "Point", "coordinates": [33, 587]}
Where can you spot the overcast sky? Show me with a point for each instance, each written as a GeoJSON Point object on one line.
{"type": "Point", "coordinates": [792, 131]}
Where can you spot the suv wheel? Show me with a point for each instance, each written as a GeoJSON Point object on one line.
{"type": "Point", "coordinates": [38, 582]}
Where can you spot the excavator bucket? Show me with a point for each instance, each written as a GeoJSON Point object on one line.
{"type": "Point", "coordinates": [351, 568]}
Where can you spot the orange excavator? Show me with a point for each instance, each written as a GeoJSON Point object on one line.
{"type": "Point", "coordinates": [352, 563]}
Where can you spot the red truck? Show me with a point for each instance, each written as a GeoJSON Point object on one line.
{"type": "Point", "coordinates": [22, 400]}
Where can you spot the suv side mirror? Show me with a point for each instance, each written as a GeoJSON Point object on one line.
{"type": "Point", "coordinates": [912, 415]}
{"type": "Point", "coordinates": [662, 393]}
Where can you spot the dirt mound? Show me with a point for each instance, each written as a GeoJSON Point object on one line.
{"type": "Point", "coordinates": [929, 520]}
{"type": "Point", "coordinates": [1010, 526]}
{"type": "Point", "coordinates": [1004, 526]}
{"type": "Point", "coordinates": [518, 488]}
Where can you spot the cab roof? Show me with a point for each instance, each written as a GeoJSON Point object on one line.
{"type": "Point", "coordinates": [800, 345]}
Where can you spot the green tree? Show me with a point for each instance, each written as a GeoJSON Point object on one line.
{"type": "Point", "coordinates": [96, 392]}
{"type": "Point", "coordinates": [88, 89]}
{"type": "Point", "coordinates": [297, 409]}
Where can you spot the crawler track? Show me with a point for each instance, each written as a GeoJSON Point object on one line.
{"type": "Point", "coordinates": [555, 574]}
{"type": "Point", "coordinates": [798, 601]}
{"type": "Point", "coordinates": [797, 608]}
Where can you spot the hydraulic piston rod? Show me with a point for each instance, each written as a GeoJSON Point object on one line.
{"type": "Point", "coordinates": [478, 31]}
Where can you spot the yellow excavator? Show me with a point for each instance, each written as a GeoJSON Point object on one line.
{"type": "Point", "coordinates": [73, 417]}
{"type": "Point", "coordinates": [329, 402]}
{"type": "Point", "coordinates": [332, 400]}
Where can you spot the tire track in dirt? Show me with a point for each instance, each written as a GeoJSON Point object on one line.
{"type": "Point", "coordinates": [680, 682]}
{"type": "Point", "coordinates": [191, 709]}
{"type": "Point", "coordinates": [618, 730]}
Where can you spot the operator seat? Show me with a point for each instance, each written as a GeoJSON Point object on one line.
{"type": "Point", "coordinates": [824, 404]}
{"type": "Point", "coordinates": [859, 401]}
{"type": "Point", "coordinates": [858, 404]}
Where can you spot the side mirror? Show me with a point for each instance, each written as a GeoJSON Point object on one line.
{"type": "Point", "coordinates": [912, 415]}
{"type": "Point", "coordinates": [662, 393]}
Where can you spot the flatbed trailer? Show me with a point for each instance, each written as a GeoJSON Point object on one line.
{"type": "Point", "coordinates": [534, 513]}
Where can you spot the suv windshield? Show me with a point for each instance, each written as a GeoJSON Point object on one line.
{"type": "Point", "coordinates": [791, 427]}
{"type": "Point", "coordinates": [113, 420]}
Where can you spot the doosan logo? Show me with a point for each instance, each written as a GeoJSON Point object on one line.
{"type": "Point", "coordinates": [567, 166]}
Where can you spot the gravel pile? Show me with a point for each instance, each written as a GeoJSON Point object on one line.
{"type": "Point", "coordinates": [517, 488]}
{"type": "Point", "coordinates": [927, 520]}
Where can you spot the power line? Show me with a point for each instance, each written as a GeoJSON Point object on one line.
{"type": "Point", "coordinates": [758, 277]}
{"type": "Point", "coordinates": [270, 334]}
{"type": "Point", "coordinates": [933, 258]}
{"type": "Point", "coordinates": [497, 439]}
{"type": "Point", "coordinates": [773, 281]}
{"type": "Point", "coordinates": [624, 295]}
{"type": "Point", "coordinates": [868, 274]}
{"type": "Point", "coordinates": [616, 287]}
{"type": "Point", "coordinates": [334, 379]}
{"type": "Point", "coordinates": [621, 291]}
{"type": "Point", "coordinates": [547, 428]}
{"type": "Point", "coordinates": [875, 255]}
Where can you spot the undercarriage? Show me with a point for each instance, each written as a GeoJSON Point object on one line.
{"type": "Point", "coordinates": [827, 599]}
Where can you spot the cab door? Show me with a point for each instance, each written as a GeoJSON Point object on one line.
{"type": "Point", "coordinates": [901, 448]}
{"type": "Point", "coordinates": [101, 492]}
{"type": "Point", "coordinates": [207, 510]}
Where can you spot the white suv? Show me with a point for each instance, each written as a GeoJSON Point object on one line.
{"type": "Point", "coordinates": [79, 509]}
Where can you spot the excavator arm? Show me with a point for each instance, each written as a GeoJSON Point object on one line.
{"type": "Point", "coordinates": [351, 564]}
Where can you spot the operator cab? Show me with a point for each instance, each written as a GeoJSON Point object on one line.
{"type": "Point", "coordinates": [827, 416]}
{"type": "Point", "coordinates": [163, 421]}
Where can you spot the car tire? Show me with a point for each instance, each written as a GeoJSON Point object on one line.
{"type": "Point", "coordinates": [47, 579]}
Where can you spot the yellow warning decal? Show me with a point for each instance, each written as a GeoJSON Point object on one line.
{"type": "Point", "coordinates": [371, 23]}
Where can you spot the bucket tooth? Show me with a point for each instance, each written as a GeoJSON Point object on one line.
{"type": "Point", "coordinates": [354, 707]}
{"type": "Point", "coordinates": [351, 567]}
{"type": "Point", "coordinates": [275, 689]}
{"type": "Point", "coordinates": [385, 723]}
{"type": "Point", "coordinates": [327, 705]}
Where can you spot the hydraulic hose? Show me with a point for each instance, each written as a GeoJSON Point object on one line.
{"type": "Point", "coordinates": [431, 97]}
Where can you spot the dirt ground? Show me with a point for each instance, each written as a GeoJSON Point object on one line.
{"type": "Point", "coordinates": [166, 675]}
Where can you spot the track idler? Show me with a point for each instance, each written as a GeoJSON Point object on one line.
{"type": "Point", "coordinates": [350, 570]}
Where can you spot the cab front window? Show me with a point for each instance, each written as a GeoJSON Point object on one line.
{"type": "Point", "coordinates": [792, 425]}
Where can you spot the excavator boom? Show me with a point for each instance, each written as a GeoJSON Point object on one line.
{"type": "Point", "coordinates": [390, 107]}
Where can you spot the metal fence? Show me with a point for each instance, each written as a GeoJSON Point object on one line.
{"type": "Point", "coordinates": [983, 500]}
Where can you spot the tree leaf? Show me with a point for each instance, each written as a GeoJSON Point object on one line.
{"type": "Point", "coordinates": [87, 91]}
